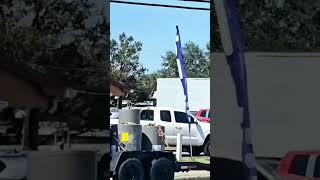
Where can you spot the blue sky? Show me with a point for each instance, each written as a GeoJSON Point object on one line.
{"type": "Point", "coordinates": [155, 27]}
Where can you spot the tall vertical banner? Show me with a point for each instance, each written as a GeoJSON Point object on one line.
{"type": "Point", "coordinates": [183, 78]}
{"type": "Point", "coordinates": [182, 72]}
{"type": "Point", "coordinates": [233, 45]}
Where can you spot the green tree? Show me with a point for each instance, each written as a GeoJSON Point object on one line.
{"type": "Point", "coordinates": [126, 67]}
{"type": "Point", "coordinates": [147, 86]}
{"type": "Point", "coordinates": [196, 60]}
{"type": "Point", "coordinates": [68, 38]}
{"type": "Point", "coordinates": [57, 33]}
{"type": "Point", "coordinates": [275, 25]}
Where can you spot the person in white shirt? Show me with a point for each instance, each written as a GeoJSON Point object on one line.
{"type": "Point", "coordinates": [19, 115]}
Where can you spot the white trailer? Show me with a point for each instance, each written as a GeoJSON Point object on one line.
{"type": "Point", "coordinates": [284, 100]}
{"type": "Point", "coordinates": [170, 93]}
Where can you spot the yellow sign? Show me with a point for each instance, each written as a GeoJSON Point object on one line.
{"type": "Point", "coordinates": [124, 136]}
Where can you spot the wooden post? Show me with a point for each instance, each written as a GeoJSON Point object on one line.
{"type": "Point", "coordinates": [119, 102]}
{"type": "Point", "coordinates": [25, 132]}
{"type": "Point", "coordinates": [179, 147]}
{"type": "Point", "coordinates": [33, 127]}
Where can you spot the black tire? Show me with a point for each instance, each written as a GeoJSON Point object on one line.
{"type": "Point", "coordinates": [206, 148]}
{"type": "Point", "coordinates": [131, 169]}
{"type": "Point", "coordinates": [162, 169]}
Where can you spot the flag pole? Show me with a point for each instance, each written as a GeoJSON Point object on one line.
{"type": "Point", "coordinates": [183, 78]}
{"type": "Point", "coordinates": [233, 45]}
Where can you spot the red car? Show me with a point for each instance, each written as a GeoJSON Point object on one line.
{"type": "Point", "coordinates": [300, 165]}
{"type": "Point", "coordinates": [203, 115]}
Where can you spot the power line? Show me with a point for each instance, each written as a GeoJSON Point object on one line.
{"type": "Point", "coordinates": [200, 1]}
{"type": "Point", "coordinates": [86, 69]}
{"type": "Point", "coordinates": [91, 93]}
{"type": "Point", "coordinates": [160, 5]}
{"type": "Point", "coordinates": [64, 68]}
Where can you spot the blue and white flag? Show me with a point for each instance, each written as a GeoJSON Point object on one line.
{"type": "Point", "coordinates": [182, 72]}
{"type": "Point", "coordinates": [233, 44]}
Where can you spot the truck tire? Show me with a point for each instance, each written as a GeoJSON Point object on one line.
{"type": "Point", "coordinates": [162, 169]}
{"type": "Point", "coordinates": [206, 148]}
{"type": "Point", "coordinates": [131, 169]}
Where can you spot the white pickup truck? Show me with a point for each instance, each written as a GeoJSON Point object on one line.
{"type": "Point", "coordinates": [176, 121]}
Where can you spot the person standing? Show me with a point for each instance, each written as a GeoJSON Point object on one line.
{"type": "Point", "coordinates": [33, 126]}
{"type": "Point", "coordinates": [20, 115]}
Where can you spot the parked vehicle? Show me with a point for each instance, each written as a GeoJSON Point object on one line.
{"type": "Point", "coordinates": [300, 165]}
{"type": "Point", "coordinates": [203, 115]}
{"type": "Point", "coordinates": [232, 168]}
{"type": "Point", "coordinates": [176, 121]}
{"type": "Point", "coordinates": [146, 164]}
{"type": "Point", "coordinates": [194, 113]}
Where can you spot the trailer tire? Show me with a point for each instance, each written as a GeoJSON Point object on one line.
{"type": "Point", "coordinates": [131, 169]}
{"type": "Point", "coordinates": [162, 169]}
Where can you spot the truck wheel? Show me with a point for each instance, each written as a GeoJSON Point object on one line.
{"type": "Point", "coordinates": [206, 148]}
{"type": "Point", "coordinates": [131, 169]}
{"type": "Point", "coordinates": [162, 169]}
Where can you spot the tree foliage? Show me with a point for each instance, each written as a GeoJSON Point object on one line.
{"type": "Point", "coordinates": [66, 37]}
{"type": "Point", "coordinates": [126, 67]}
{"type": "Point", "coordinates": [61, 33]}
{"type": "Point", "coordinates": [276, 25]}
{"type": "Point", "coordinates": [196, 60]}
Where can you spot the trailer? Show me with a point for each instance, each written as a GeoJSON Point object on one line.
{"type": "Point", "coordinates": [128, 160]}
{"type": "Point", "coordinates": [143, 165]}
{"type": "Point", "coordinates": [165, 98]}
{"type": "Point", "coordinates": [149, 165]}
{"type": "Point", "coordinates": [284, 104]}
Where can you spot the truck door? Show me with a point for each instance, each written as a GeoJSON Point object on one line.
{"type": "Point", "coordinates": [181, 125]}
{"type": "Point", "coordinates": [166, 121]}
